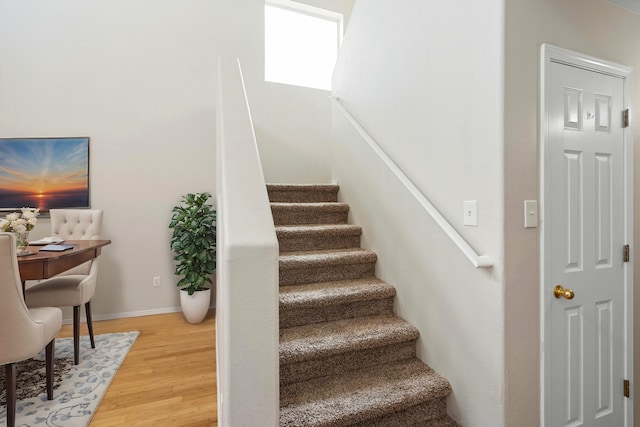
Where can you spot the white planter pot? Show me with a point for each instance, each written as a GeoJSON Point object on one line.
{"type": "Point", "coordinates": [196, 306]}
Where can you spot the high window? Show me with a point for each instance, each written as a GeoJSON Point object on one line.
{"type": "Point", "coordinates": [301, 44]}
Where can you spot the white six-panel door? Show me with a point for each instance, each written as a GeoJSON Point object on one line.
{"type": "Point", "coordinates": [586, 328]}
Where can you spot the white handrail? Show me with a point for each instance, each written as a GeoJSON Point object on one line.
{"type": "Point", "coordinates": [478, 261]}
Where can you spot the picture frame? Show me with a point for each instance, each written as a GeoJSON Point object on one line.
{"type": "Point", "coordinates": [44, 173]}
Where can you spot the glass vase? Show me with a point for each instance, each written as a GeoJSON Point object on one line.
{"type": "Point", "coordinates": [22, 241]}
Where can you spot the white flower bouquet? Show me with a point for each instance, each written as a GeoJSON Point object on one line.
{"type": "Point", "coordinates": [20, 222]}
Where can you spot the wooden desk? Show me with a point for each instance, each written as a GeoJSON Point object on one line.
{"type": "Point", "coordinates": [44, 264]}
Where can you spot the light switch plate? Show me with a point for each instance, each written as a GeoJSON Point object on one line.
{"type": "Point", "coordinates": [470, 213]}
{"type": "Point", "coordinates": [530, 213]}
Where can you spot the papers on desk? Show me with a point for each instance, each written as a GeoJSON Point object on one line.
{"type": "Point", "coordinates": [57, 248]}
{"type": "Point", "coordinates": [47, 241]}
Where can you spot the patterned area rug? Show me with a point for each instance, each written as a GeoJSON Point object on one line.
{"type": "Point", "coordinates": [31, 377]}
{"type": "Point", "coordinates": [80, 388]}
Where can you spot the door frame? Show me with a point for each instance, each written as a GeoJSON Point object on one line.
{"type": "Point", "coordinates": [552, 54]}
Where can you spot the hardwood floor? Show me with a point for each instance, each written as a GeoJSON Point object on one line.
{"type": "Point", "coordinates": [167, 379]}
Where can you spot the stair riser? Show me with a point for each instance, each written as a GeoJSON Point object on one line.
{"type": "Point", "coordinates": [292, 216]}
{"type": "Point", "coordinates": [432, 413]}
{"type": "Point", "coordinates": [332, 365]}
{"type": "Point", "coordinates": [310, 243]}
{"type": "Point", "coordinates": [329, 273]}
{"type": "Point", "coordinates": [302, 196]}
{"type": "Point", "coordinates": [302, 316]}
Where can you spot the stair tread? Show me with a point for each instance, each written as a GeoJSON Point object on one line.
{"type": "Point", "coordinates": [286, 213]}
{"type": "Point", "coordinates": [443, 421]}
{"type": "Point", "coordinates": [309, 237]}
{"type": "Point", "coordinates": [303, 192]}
{"type": "Point", "coordinates": [319, 340]}
{"type": "Point", "coordinates": [360, 395]}
{"type": "Point", "coordinates": [330, 229]}
{"type": "Point", "coordinates": [316, 258]}
{"type": "Point", "coordinates": [303, 187]}
{"type": "Point", "coordinates": [329, 293]}
{"type": "Point", "coordinates": [311, 206]}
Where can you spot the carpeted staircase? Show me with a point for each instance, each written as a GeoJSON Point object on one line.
{"type": "Point", "coordinates": [345, 358]}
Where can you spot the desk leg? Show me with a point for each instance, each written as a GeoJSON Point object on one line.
{"type": "Point", "coordinates": [24, 285]}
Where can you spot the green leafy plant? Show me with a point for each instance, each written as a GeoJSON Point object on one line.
{"type": "Point", "coordinates": [194, 241]}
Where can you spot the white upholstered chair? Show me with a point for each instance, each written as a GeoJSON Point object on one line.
{"type": "Point", "coordinates": [76, 286]}
{"type": "Point", "coordinates": [23, 331]}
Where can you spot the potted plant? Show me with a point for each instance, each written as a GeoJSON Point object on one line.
{"type": "Point", "coordinates": [193, 243]}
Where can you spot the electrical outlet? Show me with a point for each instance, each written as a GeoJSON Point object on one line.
{"type": "Point", "coordinates": [156, 282]}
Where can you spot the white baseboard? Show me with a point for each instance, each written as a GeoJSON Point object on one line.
{"type": "Point", "coordinates": [111, 316]}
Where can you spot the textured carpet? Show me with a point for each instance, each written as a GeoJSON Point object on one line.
{"type": "Point", "coordinates": [80, 387]}
{"type": "Point", "coordinates": [345, 358]}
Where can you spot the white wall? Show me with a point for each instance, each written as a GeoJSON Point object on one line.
{"type": "Point", "coordinates": [132, 77]}
{"type": "Point", "coordinates": [292, 123]}
{"type": "Point", "coordinates": [594, 27]}
{"type": "Point", "coordinates": [431, 94]}
{"type": "Point", "coordinates": [137, 76]}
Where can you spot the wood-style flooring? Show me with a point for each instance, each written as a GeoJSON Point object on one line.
{"type": "Point", "coordinates": [168, 377]}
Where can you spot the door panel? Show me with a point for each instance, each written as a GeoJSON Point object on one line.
{"type": "Point", "coordinates": [604, 354]}
{"type": "Point", "coordinates": [603, 179]}
{"type": "Point", "coordinates": [574, 330]}
{"type": "Point", "coordinates": [573, 211]}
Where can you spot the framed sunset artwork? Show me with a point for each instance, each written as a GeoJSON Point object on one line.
{"type": "Point", "coordinates": [44, 173]}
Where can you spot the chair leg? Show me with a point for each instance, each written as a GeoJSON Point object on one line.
{"type": "Point", "coordinates": [49, 352]}
{"type": "Point", "coordinates": [87, 309]}
{"type": "Point", "coordinates": [76, 334]}
{"type": "Point", "coordinates": [10, 381]}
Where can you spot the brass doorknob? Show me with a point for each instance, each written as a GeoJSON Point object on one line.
{"type": "Point", "coordinates": [559, 291]}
